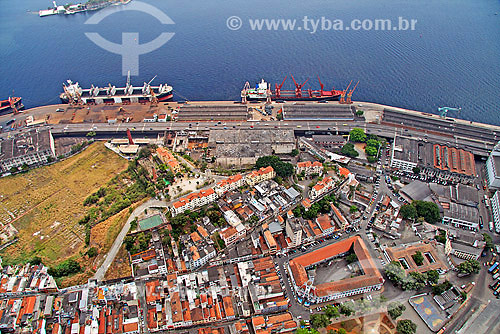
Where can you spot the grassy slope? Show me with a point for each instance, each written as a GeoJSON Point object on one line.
{"type": "Point", "coordinates": [51, 200]}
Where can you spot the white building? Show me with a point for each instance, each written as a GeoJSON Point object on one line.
{"type": "Point", "coordinates": [493, 168]}
{"type": "Point", "coordinates": [231, 183]}
{"type": "Point", "coordinates": [309, 168]}
{"type": "Point", "coordinates": [294, 231]}
{"type": "Point", "coordinates": [321, 188]}
{"type": "Point", "coordinates": [495, 209]}
{"type": "Point", "coordinates": [193, 201]}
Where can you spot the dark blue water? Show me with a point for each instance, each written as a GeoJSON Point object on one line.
{"type": "Point", "coordinates": [452, 59]}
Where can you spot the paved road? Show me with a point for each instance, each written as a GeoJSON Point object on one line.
{"type": "Point", "coordinates": [99, 275]}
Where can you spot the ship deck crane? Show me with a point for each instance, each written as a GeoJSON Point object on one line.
{"type": "Point", "coordinates": [298, 88]}
{"type": "Point", "coordinates": [443, 111]}
{"type": "Point", "coordinates": [278, 87]}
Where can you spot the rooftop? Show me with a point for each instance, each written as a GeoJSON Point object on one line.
{"type": "Point", "coordinates": [371, 274]}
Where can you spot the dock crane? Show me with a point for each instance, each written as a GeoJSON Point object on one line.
{"type": "Point", "coordinates": [344, 92]}
{"type": "Point", "coordinates": [349, 95]}
{"type": "Point", "coordinates": [154, 99]}
{"type": "Point", "coordinates": [443, 111]}
{"type": "Point", "coordinates": [244, 92]}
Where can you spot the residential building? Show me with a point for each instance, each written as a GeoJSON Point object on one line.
{"type": "Point", "coordinates": [193, 201]}
{"type": "Point", "coordinates": [169, 159]}
{"type": "Point", "coordinates": [263, 174]}
{"type": "Point", "coordinates": [309, 168]}
{"type": "Point", "coordinates": [294, 231]}
{"type": "Point", "coordinates": [326, 225]}
{"type": "Point", "coordinates": [321, 188]}
{"type": "Point", "coordinates": [231, 183]}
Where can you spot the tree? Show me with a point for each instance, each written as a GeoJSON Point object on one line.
{"type": "Point", "coordinates": [395, 272]}
{"type": "Point", "coordinates": [416, 170]}
{"type": "Point", "coordinates": [373, 143]}
{"type": "Point", "coordinates": [395, 310]}
{"type": "Point", "coordinates": [406, 327]}
{"type": "Point", "coordinates": [346, 309]}
{"type": "Point", "coordinates": [371, 151]}
{"type": "Point", "coordinates": [351, 258]}
{"type": "Point", "coordinates": [428, 210]}
{"type": "Point", "coordinates": [92, 252]}
{"type": "Point", "coordinates": [294, 152]}
{"type": "Point", "coordinates": [488, 240]}
{"type": "Point", "coordinates": [349, 150]}
{"type": "Point", "coordinates": [353, 209]}
{"type": "Point", "coordinates": [408, 211]}
{"type": "Point", "coordinates": [283, 169]}
{"type": "Point", "coordinates": [357, 135]}
{"type": "Point", "coordinates": [469, 267]}
{"type": "Point", "coordinates": [342, 331]}
{"type": "Point", "coordinates": [440, 288]}
{"type": "Point", "coordinates": [332, 312]}
{"type": "Point", "coordinates": [432, 276]}
{"type": "Point", "coordinates": [306, 331]}
{"type": "Point", "coordinates": [319, 320]}
{"type": "Point", "coordinates": [418, 258]}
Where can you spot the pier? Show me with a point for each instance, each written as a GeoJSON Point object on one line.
{"type": "Point", "coordinates": [110, 121]}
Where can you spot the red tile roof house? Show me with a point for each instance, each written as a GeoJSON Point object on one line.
{"type": "Point", "coordinates": [309, 167]}
{"type": "Point", "coordinates": [370, 280]}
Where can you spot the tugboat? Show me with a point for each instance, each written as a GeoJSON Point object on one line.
{"type": "Point", "coordinates": [111, 94]}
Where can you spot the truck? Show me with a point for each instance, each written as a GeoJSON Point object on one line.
{"type": "Point", "coordinates": [493, 267]}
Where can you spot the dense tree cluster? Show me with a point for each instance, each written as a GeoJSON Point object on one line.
{"type": "Point", "coordinates": [427, 210]}
{"type": "Point", "coordinates": [469, 267]}
{"type": "Point", "coordinates": [320, 207]}
{"type": "Point", "coordinates": [395, 309]}
{"type": "Point", "coordinates": [349, 150]}
{"type": "Point", "coordinates": [65, 268]}
{"type": "Point", "coordinates": [406, 327]}
{"type": "Point", "coordinates": [412, 281]}
{"type": "Point", "coordinates": [357, 135]}
{"type": "Point", "coordinates": [283, 169]}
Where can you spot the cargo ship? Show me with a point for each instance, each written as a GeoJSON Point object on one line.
{"type": "Point", "coordinates": [263, 91]}
{"type": "Point", "coordinates": [12, 104]}
{"type": "Point", "coordinates": [73, 93]}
